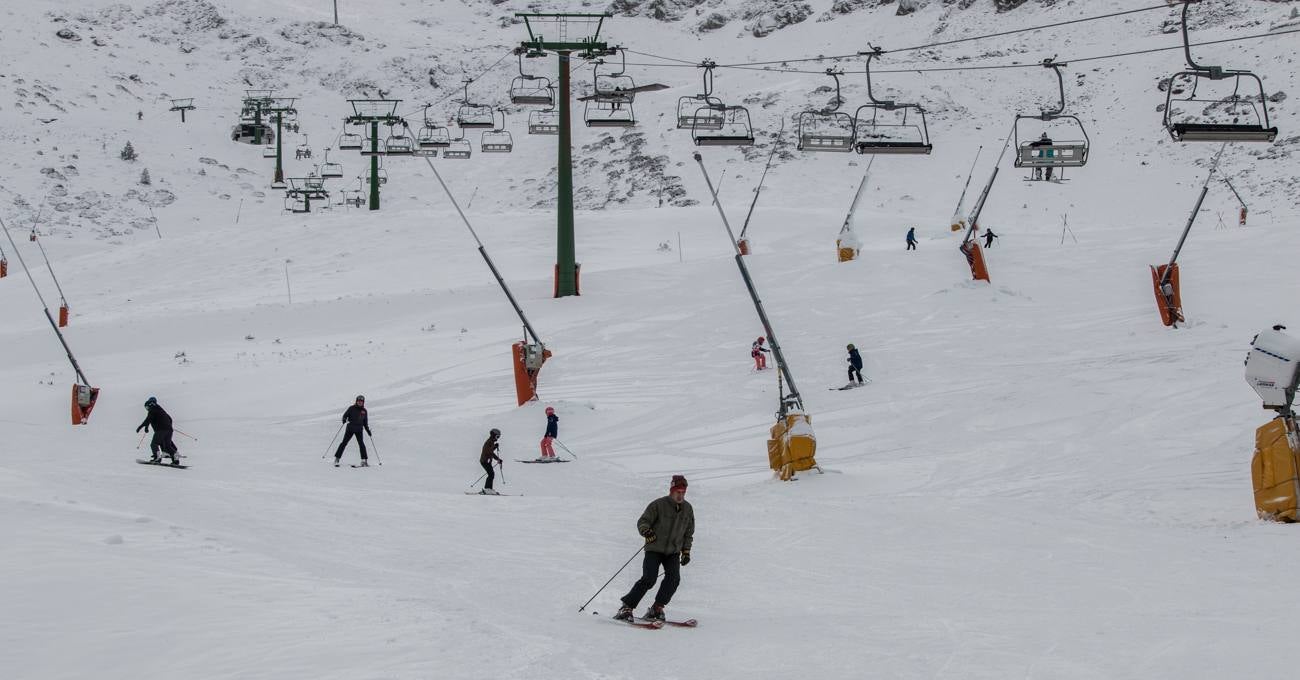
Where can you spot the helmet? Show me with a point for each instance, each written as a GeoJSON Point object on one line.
{"type": "Point", "coordinates": [361, 397]}
{"type": "Point", "coordinates": [550, 410]}
{"type": "Point", "coordinates": [495, 432]}
{"type": "Point", "coordinates": [151, 401]}
{"type": "Point", "coordinates": [1044, 136]}
{"type": "Point", "coordinates": [850, 345]}
{"type": "Point", "coordinates": [762, 339]}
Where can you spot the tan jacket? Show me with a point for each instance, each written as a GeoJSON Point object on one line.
{"type": "Point", "coordinates": [673, 524]}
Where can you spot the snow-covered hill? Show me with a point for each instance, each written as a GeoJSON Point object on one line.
{"type": "Point", "coordinates": [1041, 481]}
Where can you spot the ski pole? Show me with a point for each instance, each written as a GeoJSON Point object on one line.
{"type": "Point", "coordinates": [336, 436]}
{"type": "Point", "coordinates": [186, 434]}
{"type": "Point", "coordinates": [611, 579]}
{"type": "Point", "coordinates": [477, 480]}
{"type": "Point", "coordinates": [566, 449]}
{"type": "Point", "coordinates": [141, 443]}
{"type": "Point", "coordinates": [372, 443]}
{"type": "Point", "coordinates": [502, 466]}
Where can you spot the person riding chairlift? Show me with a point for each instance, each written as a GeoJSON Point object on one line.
{"type": "Point", "coordinates": [1045, 153]}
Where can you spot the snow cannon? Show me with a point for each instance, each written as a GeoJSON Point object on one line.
{"type": "Point", "coordinates": [1273, 371]}
{"type": "Point", "coordinates": [848, 245]}
{"type": "Point", "coordinates": [4, 268]}
{"type": "Point", "coordinates": [83, 401]}
{"type": "Point", "coordinates": [742, 244]}
{"type": "Point", "coordinates": [975, 258]}
{"type": "Point", "coordinates": [1169, 297]}
{"type": "Point", "coordinates": [793, 446]}
{"type": "Point", "coordinates": [958, 224]}
{"type": "Point", "coordinates": [528, 359]}
{"type": "Point", "coordinates": [63, 315]}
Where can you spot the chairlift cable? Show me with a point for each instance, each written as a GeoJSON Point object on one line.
{"type": "Point", "coordinates": [45, 307]}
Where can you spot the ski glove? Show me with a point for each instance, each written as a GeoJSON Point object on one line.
{"type": "Point", "coordinates": [686, 557]}
{"type": "Point", "coordinates": [144, 427]}
{"type": "Point", "coordinates": [649, 536]}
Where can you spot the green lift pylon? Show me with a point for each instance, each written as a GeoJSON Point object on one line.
{"type": "Point", "coordinates": [372, 112]}
{"type": "Point", "coordinates": [278, 107]}
{"type": "Point", "coordinates": [255, 102]}
{"type": "Point", "coordinates": [564, 45]}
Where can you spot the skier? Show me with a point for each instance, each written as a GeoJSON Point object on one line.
{"type": "Point", "coordinates": [855, 365]}
{"type": "Point", "coordinates": [911, 238]}
{"type": "Point", "coordinates": [988, 238]}
{"type": "Point", "coordinates": [489, 454]}
{"type": "Point", "coordinates": [162, 432]}
{"type": "Point", "coordinates": [757, 350]}
{"type": "Point", "coordinates": [668, 526]}
{"type": "Point", "coordinates": [357, 420]}
{"type": "Point", "coordinates": [1043, 153]}
{"type": "Point", "coordinates": [139, 115]}
{"type": "Point", "coordinates": [552, 431]}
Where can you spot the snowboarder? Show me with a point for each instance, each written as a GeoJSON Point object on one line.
{"type": "Point", "coordinates": [1043, 141]}
{"type": "Point", "coordinates": [668, 526]}
{"type": "Point", "coordinates": [357, 420]}
{"type": "Point", "coordinates": [988, 238]}
{"type": "Point", "coordinates": [911, 238]}
{"type": "Point", "coordinates": [855, 365]}
{"type": "Point", "coordinates": [489, 454]}
{"type": "Point", "coordinates": [162, 432]}
{"type": "Point", "coordinates": [552, 431]}
{"type": "Point", "coordinates": [757, 350]}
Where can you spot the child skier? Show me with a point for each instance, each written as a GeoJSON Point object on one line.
{"type": "Point", "coordinates": [357, 420]}
{"type": "Point", "coordinates": [855, 365]}
{"type": "Point", "coordinates": [162, 432]}
{"type": "Point", "coordinates": [552, 431]}
{"type": "Point", "coordinates": [757, 350]}
{"type": "Point", "coordinates": [489, 454]}
{"type": "Point", "coordinates": [668, 527]}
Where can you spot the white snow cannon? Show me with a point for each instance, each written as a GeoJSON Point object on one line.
{"type": "Point", "coordinates": [1273, 368]}
{"type": "Point", "coordinates": [1273, 371]}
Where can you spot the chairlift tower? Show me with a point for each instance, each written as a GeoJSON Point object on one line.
{"type": "Point", "coordinates": [372, 112]}
{"type": "Point", "coordinates": [561, 43]}
{"type": "Point", "coordinates": [279, 107]}
{"type": "Point", "coordinates": [255, 102]}
{"type": "Point", "coordinates": [182, 105]}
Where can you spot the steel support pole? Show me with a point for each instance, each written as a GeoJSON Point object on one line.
{"type": "Point", "coordinates": [279, 149]}
{"type": "Point", "coordinates": [566, 267]}
{"type": "Point", "coordinates": [374, 165]}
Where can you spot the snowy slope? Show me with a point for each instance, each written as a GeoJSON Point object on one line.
{"type": "Point", "coordinates": [1041, 481]}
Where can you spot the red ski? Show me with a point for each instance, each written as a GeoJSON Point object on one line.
{"type": "Point", "coordinates": [688, 623]}
{"type": "Point", "coordinates": [653, 625]}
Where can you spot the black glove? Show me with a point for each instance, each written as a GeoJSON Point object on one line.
{"type": "Point", "coordinates": [145, 427]}
{"type": "Point", "coordinates": [686, 557]}
{"type": "Point", "coordinates": [649, 535]}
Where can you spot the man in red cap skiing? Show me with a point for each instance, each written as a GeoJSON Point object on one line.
{"type": "Point", "coordinates": [668, 526]}
{"type": "Point", "coordinates": [552, 431]}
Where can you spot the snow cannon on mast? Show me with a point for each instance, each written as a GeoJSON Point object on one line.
{"type": "Point", "coordinates": [1273, 371]}
{"type": "Point", "coordinates": [527, 355]}
{"type": "Point", "coordinates": [1164, 278]}
{"type": "Point", "coordinates": [847, 244]}
{"type": "Point", "coordinates": [792, 446]}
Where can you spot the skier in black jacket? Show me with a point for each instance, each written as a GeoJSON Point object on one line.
{"type": "Point", "coordinates": [357, 421]}
{"type": "Point", "coordinates": [162, 432]}
{"type": "Point", "coordinates": [855, 365]}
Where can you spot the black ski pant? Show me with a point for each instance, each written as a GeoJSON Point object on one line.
{"type": "Point", "coordinates": [854, 370]}
{"type": "Point", "coordinates": [911, 245]}
{"type": "Point", "coordinates": [361, 442]}
{"type": "Point", "coordinates": [671, 562]}
{"type": "Point", "coordinates": [162, 439]}
{"type": "Point", "coordinates": [487, 467]}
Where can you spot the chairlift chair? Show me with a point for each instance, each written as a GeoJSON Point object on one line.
{"type": "Point", "coordinates": [382, 174]}
{"type": "Point", "coordinates": [701, 111]}
{"type": "Point", "coordinates": [474, 116]}
{"type": "Point", "coordinates": [268, 151]}
{"type": "Point", "coordinates": [892, 135]}
{"type": "Point", "coordinates": [330, 170]}
{"type": "Point", "coordinates": [529, 89]}
{"type": "Point", "coordinates": [1046, 152]}
{"type": "Point", "coordinates": [598, 113]}
{"type": "Point", "coordinates": [498, 139]}
{"type": "Point", "coordinates": [459, 149]}
{"type": "Point", "coordinates": [349, 141]}
{"type": "Point", "coordinates": [398, 144]}
{"type": "Point", "coordinates": [614, 87]}
{"type": "Point", "coordinates": [827, 129]}
{"type": "Point", "coordinates": [735, 128]}
{"type": "Point", "coordinates": [433, 137]}
{"type": "Point", "coordinates": [546, 122]}
{"type": "Point", "coordinates": [1219, 119]}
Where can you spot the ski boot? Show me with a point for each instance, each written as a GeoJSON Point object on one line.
{"type": "Point", "coordinates": [365, 463]}
{"type": "Point", "coordinates": [155, 459]}
{"type": "Point", "coordinates": [655, 613]}
{"type": "Point", "coordinates": [336, 462]}
{"type": "Point", "coordinates": [490, 492]}
{"type": "Point", "coordinates": [176, 460]}
{"type": "Point", "coordinates": [624, 614]}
